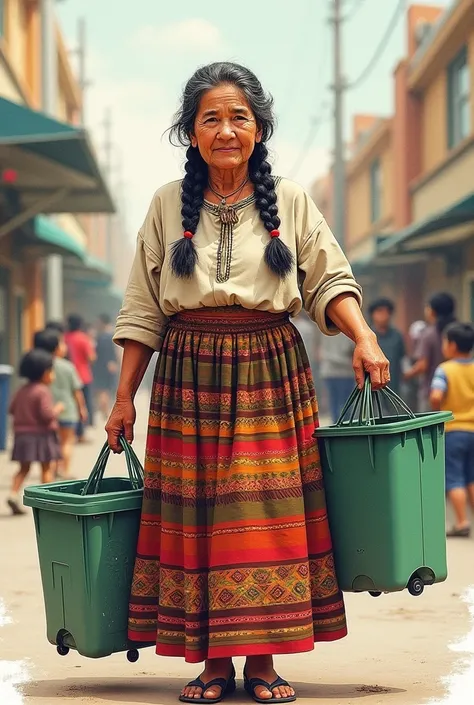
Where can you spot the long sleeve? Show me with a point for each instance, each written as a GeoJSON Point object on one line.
{"type": "Point", "coordinates": [324, 269]}
{"type": "Point", "coordinates": [141, 318]}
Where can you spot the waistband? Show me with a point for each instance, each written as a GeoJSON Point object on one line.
{"type": "Point", "coordinates": [227, 319]}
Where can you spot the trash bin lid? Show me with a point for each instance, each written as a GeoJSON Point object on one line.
{"type": "Point", "coordinates": [6, 370]}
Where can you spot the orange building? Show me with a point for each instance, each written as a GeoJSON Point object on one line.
{"type": "Point", "coordinates": [410, 177]}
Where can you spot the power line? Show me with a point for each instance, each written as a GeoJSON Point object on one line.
{"type": "Point", "coordinates": [308, 143]}
{"type": "Point", "coordinates": [399, 8]}
{"type": "Point", "coordinates": [354, 9]}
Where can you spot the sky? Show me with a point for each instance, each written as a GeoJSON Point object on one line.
{"type": "Point", "coordinates": [138, 61]}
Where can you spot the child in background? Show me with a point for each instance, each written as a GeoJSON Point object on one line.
{"type": "Point", "coordinates": [34, 423]}
{"type": "Point", "coordinates": [452, 389]}
{"type": "Point", "coordinates": [66, 389]}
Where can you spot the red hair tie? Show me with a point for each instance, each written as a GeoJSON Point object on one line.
{"type": "Point", "coordinates": [188, 234]}
{"type": "Point", "coordinates": [275, 233]}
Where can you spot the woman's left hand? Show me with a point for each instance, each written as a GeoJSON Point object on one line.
{"type": "Point", "coordinates": [369, 358]}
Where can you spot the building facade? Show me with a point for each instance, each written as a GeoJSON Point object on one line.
{"type": "Point", "coordinates": [38, 156]}
{"type": "Point", "coordinates": [410, 176]}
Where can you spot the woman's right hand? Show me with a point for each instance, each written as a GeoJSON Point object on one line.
{"type": "Point", "coordinates": [121, 422]}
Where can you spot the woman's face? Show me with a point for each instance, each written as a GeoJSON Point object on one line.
{"type": "Point", "coordinates": [225, 129]}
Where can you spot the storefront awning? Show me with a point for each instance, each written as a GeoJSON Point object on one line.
{"type": "Point", "coordinates": [455, 219]}
{"type": "Point", "coordinates": [49, 233]}
{"type": "Point", "coordinates": [50, 164]}
{"type": "Point", "coordinates": [90, 271]}
{"type": "Point", "coordinates": [42, 236]}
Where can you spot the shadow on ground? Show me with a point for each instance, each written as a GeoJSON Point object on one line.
{"type": "Point", "coordinates": [161, 691]}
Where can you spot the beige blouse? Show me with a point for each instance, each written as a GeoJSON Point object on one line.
{"type": "Point", "coordinates": [154, 294]}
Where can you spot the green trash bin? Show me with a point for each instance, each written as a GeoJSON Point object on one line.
{"type": "Point", "coordinates": [385, 490]}
{"type": "Point", "coordinates": [87, 533]}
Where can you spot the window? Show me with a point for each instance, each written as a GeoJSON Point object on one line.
{"type": "Point", "coordinates": [459, 116]}
{"type": "Point", "coordinates": [375, 191]}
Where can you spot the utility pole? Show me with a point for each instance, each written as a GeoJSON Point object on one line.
{"type": "Point", "coordinates": [339, 200]}
{"type": "Point", "coordinates": [49, 86]}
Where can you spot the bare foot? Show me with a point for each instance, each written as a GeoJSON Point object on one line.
{"type": "Point", "coordinates": [215, 668]}
{"type": "Point", "coordinates": [262, 667]}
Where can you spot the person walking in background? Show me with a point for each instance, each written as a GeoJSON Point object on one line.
{"type": "Point", "coordinates": [337, 371]}
{"type": "Point", "coordinates": [66, 389]}
{"type": "Point", "coordinates": [82, 354]}
{"type": "Point", "coordinates": [34, 423]}
{"type": "Point", "coordinates": [439, 314]}
{"type": "Point", "coordinates": [452, 389]}
{"type": "Point", "coordinates": [412, 386]}
{"type": "Point", "coordinates": [307, 330]}
{"type": "Point", "coordinates": [105, 366]}
{"type": "Point", "coordinates": [57, 326]}
{"type": "Point", "coordinates": [389, 338]}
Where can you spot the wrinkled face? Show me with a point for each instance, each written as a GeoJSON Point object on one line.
{"type": "Point", "coordinates": [225, 129]}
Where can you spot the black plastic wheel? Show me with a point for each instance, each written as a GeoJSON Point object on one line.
{"type": "Point", "coordinates": [374, 593]}
{"type": "Point", "coordinates": [62, 650]}
{"type": "Point", "coordinates": [133, 655]}
{"type": "Point", "coordinates": [416, 587]}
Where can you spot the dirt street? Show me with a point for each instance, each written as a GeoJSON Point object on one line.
{"type": "Point", "coordinates": [396, 653]}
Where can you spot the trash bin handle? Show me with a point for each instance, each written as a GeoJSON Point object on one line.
{"type": "Point", "coordinates": [365, 405]}
{"type": "Point", "coordinates": [134, 467]}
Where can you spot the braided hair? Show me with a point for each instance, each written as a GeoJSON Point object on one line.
{"type": "Point", "coordinates": [278, 256]}
{"type": "Point", "coordinates": [183, 252]}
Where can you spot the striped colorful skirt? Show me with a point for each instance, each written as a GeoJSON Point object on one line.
{"type": "Point", "coordinates": [234, 556]}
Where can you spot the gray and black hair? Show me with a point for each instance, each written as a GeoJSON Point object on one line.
{"type": "Point", "coordinates": [184, 255]}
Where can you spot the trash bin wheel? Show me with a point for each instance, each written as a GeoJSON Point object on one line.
{"type": "Point", "coordinates": [416, 587]}
{"type": "Point", "coordinates": [133, 655]}
{"type": "Point", "coordinates": [62, 650]}
{"type": "Point", "coordinates": [374, 593]}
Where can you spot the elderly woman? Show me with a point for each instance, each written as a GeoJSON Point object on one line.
{"type": "Point", "coordinates": [234, 554]}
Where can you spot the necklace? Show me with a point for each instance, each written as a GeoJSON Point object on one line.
{"type": "Point", "coordinates": [227, 213]}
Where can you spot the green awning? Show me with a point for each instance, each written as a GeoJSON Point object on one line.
{"type": "Point", "coordinates": [90, 271]}
{"type": "Point", "coordinates": [459, 213]}
{"type": "Point", "coordinates": [99, 266]}
{"type": "Point", "coordinates": [46, 230]}
{"type": "Point", "coordinates": [361, 265]}
{"type": "Point", "coordinates": [54, 166]}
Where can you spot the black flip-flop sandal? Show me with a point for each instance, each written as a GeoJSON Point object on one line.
{"type": "Point", "coordinates": [227, 687]}
{"type": "Point", "coordinates": [251, 683]}
{"type": "Point", "coordinates": [463, 533]}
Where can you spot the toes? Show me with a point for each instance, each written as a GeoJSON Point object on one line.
{"type": "Point", "coordinates": [283, 692]}
{"type": "Point", "coordinates": [263, 693]}
{"type": "Point", "coordinates": [212, 694]}
{"type": "Point", "coordinates": [191, 692]}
